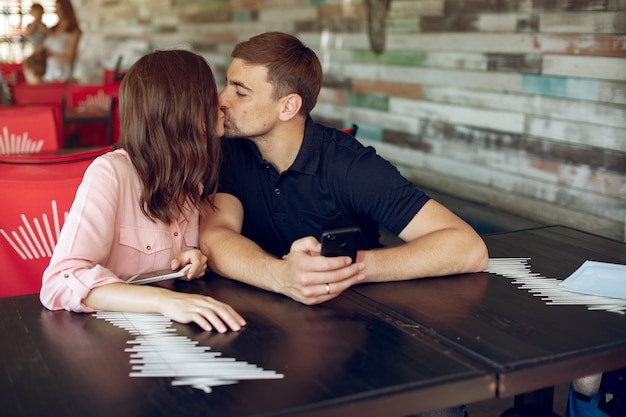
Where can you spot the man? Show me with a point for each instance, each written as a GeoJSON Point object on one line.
{"type": "Point", "coordinates": [285, 179]}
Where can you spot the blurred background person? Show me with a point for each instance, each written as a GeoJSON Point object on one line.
{"type": "Point", "coordinates": [34, 67]}
{"type": "Point", "coordinates": [36, 31]}
{"type": "Point", "coordinates": [61, 44]}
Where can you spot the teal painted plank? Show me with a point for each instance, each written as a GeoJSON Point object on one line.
{"type": "Point", "coordinates": [574, 88]}
{"type": "Point", "coordinates": [242, 16]}
{"type": "Point", "coordinates": [373, 133]}
{"type": "Point", "coordinates": [399, 25]}
{"type": "Point", "coordinates": [400, 58]}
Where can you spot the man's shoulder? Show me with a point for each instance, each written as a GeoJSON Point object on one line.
{"type": "Point", "coordinates": [333, 137]}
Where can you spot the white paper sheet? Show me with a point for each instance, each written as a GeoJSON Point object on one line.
{"type": "Point", "coordinates": [598, 278]}
{"type": "Point", "coordinates": [550, 289]}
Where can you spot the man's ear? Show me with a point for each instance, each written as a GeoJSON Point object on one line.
{"type": "Point", "coordinates": [292, 103]}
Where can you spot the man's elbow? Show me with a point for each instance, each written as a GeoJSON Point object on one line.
{"type": "Point", "coordinates": [480, 256]}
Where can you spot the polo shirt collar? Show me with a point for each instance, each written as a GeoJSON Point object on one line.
{"type": "Point", "coordinates": [310, 153]}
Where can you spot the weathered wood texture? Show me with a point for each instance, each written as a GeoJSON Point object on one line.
{"type": "Point", "coordinates": [519, 104]}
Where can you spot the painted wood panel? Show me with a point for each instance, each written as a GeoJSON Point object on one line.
{"type": "Point", "coordinates": [464, 42]}
{"type": "Point", "coordinates": [531, 103]}
{"type": "Point", "coordinates": [424, 76]}
{"type": "Point", "coordinates": [523, 181]}
{"type": "Point", "coordinates": [281, 14]}
{"type": "Point", "coordinates": [581, 144]}
{"type": "Point", "coordinates": [412, 8]}
{"type": "Point", "coordinates": [582, 44]}
{"type": "Point", "coordinates": [520, 104]}
{"type": "Point", "coordinates": [540, 210]}
{"type": "Point", "coordinates": [575, 22]}
{"type": "Point", "coordinates": [585, 67]}
{"type": "Point", "coordinates": [489, 119]}
{"type": "Point", "coordinates": [601, 137]}
{"type": "Point", "coordinates": [501, 22]}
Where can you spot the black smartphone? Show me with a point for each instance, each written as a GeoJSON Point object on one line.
{"type": "Point", "coordinates": [341, 242]}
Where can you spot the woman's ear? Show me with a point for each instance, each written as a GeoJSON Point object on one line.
{"type": "Point", "coordinates": [292, 103]}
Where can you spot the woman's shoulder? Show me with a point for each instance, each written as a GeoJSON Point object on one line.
{"type": "Point", "coordinates": [117, 159]}
{"type": "Point", "coordinates": [116, 156]}
{"type": "Point", "coordinates": [111, 166]}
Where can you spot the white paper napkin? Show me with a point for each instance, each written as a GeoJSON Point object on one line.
{"type": "Point", "coordinates": [598, 278]}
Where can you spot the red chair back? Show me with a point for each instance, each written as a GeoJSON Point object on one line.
{"type": "Point", "coordinates": [112, 75]}
{"type": "Point", "coordinates": [88, 95]}
{"type": "Point", "coordinates": [38, 198]}
{"type": "Point", "coordinates": [351, 130]}
{"type": "Point", "coordinates": [103, 96]}
{"type": "Point", "coordinates": [29, 129]}
{"type": "Point", "coordinates": [44, 93]}
{"type": "Point", "coordinates": [12, 70]}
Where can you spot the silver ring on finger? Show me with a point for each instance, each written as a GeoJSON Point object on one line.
{"type": "Point", "coordinates": [327, 289]}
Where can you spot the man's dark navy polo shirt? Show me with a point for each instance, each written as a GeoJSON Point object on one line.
{"type": "Point", "coordinates": [334, 182]}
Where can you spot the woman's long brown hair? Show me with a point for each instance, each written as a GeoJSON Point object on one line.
{"type": "Point", "coordinates": [68, 13]}
{"type": "Point", "coordinates": [168, 111]}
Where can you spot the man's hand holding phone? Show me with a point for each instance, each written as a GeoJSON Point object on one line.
{"type": "Point", "coordinates": [341, 242]}
{"type": "Point", "coordinates": [310, 278]}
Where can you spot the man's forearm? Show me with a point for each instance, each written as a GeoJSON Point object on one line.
{"type": "Point", "coordinates": [234, 256]}
{"type": "Point", "coordinates": [444, 252]}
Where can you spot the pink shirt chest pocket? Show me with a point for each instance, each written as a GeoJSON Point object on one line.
{"type": "Point", "coordinates": [142, 249]}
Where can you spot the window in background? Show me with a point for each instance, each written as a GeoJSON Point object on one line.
{"type": "Point", "coordinates": [13, 21]}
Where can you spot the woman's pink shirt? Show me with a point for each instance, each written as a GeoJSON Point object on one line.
{"type": "Point", "coordinates": [106, 237]}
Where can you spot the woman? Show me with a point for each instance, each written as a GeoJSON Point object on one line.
{"type": "Point", "coordinates": [137, 208]}
{"type": "Point", "coordinates": [61, 44]}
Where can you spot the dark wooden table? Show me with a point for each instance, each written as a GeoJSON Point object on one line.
{"type": "Point", "coordinates": [391, 349]}
{"type": "Point", "coordinates": [343, 358]}
{"type": "Point", "coordinates": [529, 344]}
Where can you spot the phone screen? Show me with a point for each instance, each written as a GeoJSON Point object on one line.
{"type": "Point", "coordinates": [154, 276]}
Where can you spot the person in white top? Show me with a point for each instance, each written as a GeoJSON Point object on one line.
{"type": "Point", "coordinates": [36, 31]}
{"type": "Point", "coordinates": [61, 44]}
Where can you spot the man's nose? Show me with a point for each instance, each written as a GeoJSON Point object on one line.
{"type": "Point", "coordinates": [221, 98]}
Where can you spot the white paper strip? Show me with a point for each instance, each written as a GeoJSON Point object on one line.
{"type": "Point", "coordinates": [158, 351]}
{"type": "Point", "coordinates": [549, 289]}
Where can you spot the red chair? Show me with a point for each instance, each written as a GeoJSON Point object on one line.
{"type": "Point", "coordinates": [29, 129]}
{"type": "Point", "coordinates": [114, 75]}
{"type": "Point", "coordinates": [38, 195]}
{"type": "Point", "coordinates": [12, 71]}
{"type": "Point", "coordinates": [351, 130]}
{"type": "Point", "coordinates": [90, 113]}
{"type": "Point", "coordinates": [45, 93]}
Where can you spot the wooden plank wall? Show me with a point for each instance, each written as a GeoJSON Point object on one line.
{"type": "Point", "coordinates": [517, 104]}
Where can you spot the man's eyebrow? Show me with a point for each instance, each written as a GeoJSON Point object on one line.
{"type": "Point", "coordinates": [239, 84]}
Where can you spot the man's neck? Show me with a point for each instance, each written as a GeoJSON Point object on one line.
{"type": "Point", "coordinates": [282, 147]}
